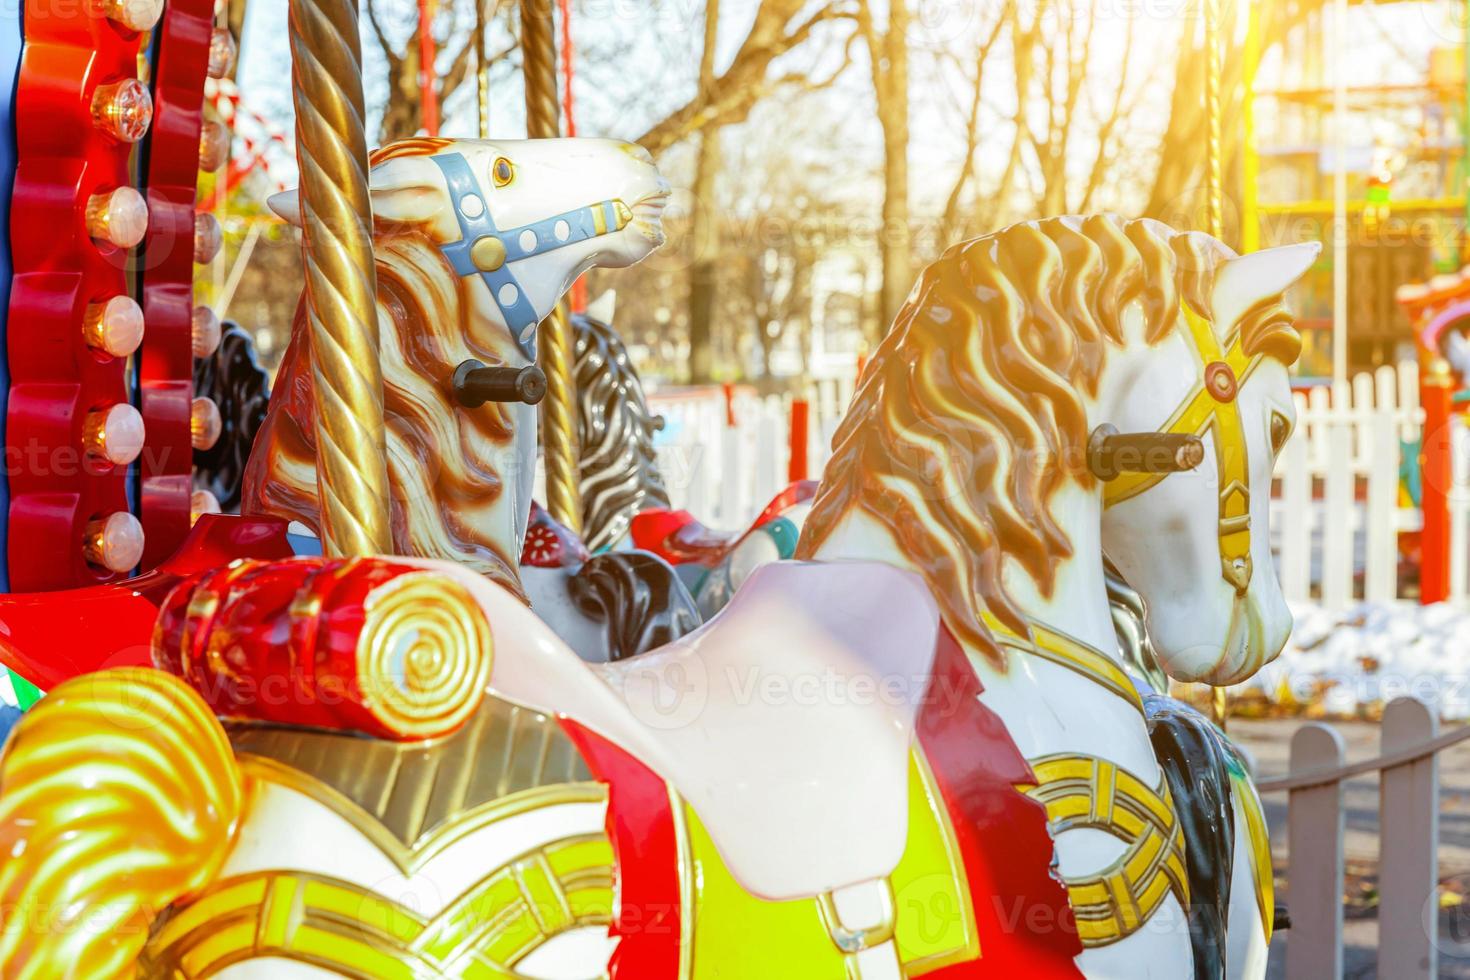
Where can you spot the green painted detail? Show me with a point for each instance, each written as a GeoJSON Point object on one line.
{"type": "Point", "coordinates": [784, 534]}
{"type": "Point", "coordinates": [26, 693]}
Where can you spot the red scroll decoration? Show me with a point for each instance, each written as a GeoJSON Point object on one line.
{"type": "Point", "coordinates": [79, 109]}
{"type": "Point", "coordinates": [166, 361]}
{"type": "Point", "coordinates": [365, 645]}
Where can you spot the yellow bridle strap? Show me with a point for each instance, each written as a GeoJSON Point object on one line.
{"type": "Point", "coordinates": [1212, 407]}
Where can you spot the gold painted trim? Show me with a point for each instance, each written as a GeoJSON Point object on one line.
{"type": "Point", "coordinates": [1069, 652]}
{"type": "Point", "coordinates": [1082, 791]}
{"type": "Point", "coordinates": [352, 930]}
{"type": "Point", "coordinates": [970, 951]}
{"type": "Point", "coordinates": [410, 859]}
{"type": "Point", "coordinates": [686, 883]}
{"type": "Point", "coordinates": [1260, 851]}
{"type": "Point", "coordinates": [1199, 412]}
{"type": "Point", "coordinates": [851, 941]}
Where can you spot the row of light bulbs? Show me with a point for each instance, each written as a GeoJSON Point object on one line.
{"type": "Point", "coordinates": [114, 327]}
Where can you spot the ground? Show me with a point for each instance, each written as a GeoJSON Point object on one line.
{"type": "Point", "coordinates": [1269, 742]}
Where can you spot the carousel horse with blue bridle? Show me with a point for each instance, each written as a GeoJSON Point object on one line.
{"type": "Point", "coordinates": [461, 474]}
{"type": "Point", "coordinates": [913, 751]}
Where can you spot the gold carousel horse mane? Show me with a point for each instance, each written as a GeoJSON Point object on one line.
{"type": "Point", "coordinates": [442, 463]}
{"type": "Point", "coordinates": [970, 414]}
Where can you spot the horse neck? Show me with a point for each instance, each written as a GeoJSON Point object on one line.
{"type": "Point", "coordinates": [1077, 604]}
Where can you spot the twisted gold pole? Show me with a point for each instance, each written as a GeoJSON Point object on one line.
{"type": "Point", "coordinates": [331, 153]}
{"type": "Point", "coordinates": [1215, 189]}
{"type": "Point", "coordinates": [558, 431]}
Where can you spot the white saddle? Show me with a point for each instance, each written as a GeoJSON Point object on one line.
{"type": "Point", "coordinates": [786, 721]}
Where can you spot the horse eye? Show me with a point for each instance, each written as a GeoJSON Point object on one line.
{"type": "Point", "coordinates": [504, 173]}
{"type": "Point", "coordinates": [1280, 430]}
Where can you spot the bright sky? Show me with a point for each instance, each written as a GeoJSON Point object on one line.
{"type": "Point", "coordinates": [637, 60]}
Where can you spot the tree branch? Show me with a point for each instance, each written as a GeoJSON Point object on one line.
{"type": "Point", "coordinates": [736, 91]}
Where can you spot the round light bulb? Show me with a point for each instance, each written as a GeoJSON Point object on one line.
{"type": "Point", "coordinates": [205, 423]}
{"type": "Point", "coordinates": [206, 331]}
{"type": "Point", "coordinates": [114, 327]}
{"type": "Point", "coordinates": [222, 52]}
{"type": "Point", "coordinates": [135, 15]}
{"type": "Point", "coordinates": [118, 217]}
{"type": "Point", "coordinates": [208, 238]}
{"type": "Point", "coordinates": [202, 502]}
{"type": "Point", "coordinates": [114, 542]}
{"type": "Point", "coordinates": [114, 434]}
{"type": "Point", "coordinates": [214, 146]}
{"type": "Point", "coordinates": [123, 110]}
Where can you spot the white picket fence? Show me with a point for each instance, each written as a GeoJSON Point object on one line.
{"type": "Point", "coordinates": [1337, 513]}
{"type": "Point", "coordinates": [726, 475]}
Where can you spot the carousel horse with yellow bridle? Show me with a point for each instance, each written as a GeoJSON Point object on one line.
{"type": "Point", "coordinates": [913, 752]}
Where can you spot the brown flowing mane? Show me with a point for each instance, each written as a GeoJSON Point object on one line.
{"type": "Point", "coordinates": [442, 463]}
{"type": "Point", "coordinates": [970, 414]}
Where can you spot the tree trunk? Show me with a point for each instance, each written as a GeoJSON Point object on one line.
{"type": "Point", "coordinates": [893, 114]}
{"type": "Point", "coordinates": [703, 274]}
{"type": "Point", "coordinates": [706, 228]}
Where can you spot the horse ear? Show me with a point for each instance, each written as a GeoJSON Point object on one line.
{"type": "Point", "coordinates": [402, 189]}
{"type": "Point", "coordinates": [1246, 280]}
{"type": "Point", "coordinates": [602, 307]}
{"type": "Point", "coordinates": [286, 205]}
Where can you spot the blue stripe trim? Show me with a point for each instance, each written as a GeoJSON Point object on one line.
{"type": "Point", "coordinates": [578, 225]}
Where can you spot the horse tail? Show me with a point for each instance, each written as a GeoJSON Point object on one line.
{"type": "Point", "coordinates": [119, 795]}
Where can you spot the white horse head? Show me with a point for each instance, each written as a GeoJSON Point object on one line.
{"type": "Point", "coordinates": [474, 242]}
{"type": "Point", "coordinates": [1195, 545]}
{"type": "Point", "coordinates": [964, 451]}
{"type": "Point", "coordinates": [527, 217]}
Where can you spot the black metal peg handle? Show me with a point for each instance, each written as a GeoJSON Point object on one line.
{"type": "Point", "coordinates": [1111, 453]}
{"type": "Point", "coordinates": [475, 384]}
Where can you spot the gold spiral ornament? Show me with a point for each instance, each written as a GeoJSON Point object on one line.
{"type": "Point", "coordinates": [341, 284]}
{"type": "Point", "coordinates": [120, 796]}
{"type": "Point", "coordinates": [424, 655]}
{"type": "Point", "coordinates": [558, 418]}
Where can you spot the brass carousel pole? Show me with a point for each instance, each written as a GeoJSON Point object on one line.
{"type": "Point", "coordinates": [1215, 194]}
{"type": "Point", "coordinates": [331, 153]}
{"type": "Point", "coordinates": [558, 434]}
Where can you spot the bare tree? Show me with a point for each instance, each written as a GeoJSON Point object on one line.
{"type": "Point", "coordinates": [1051, 112]}
{"type": "Point", "coordinates": [403, 113]}
{"type": "Point", "coordinates": [780, 26]}
{"type": "Point", "coordinates": [950, 221]}
{"type": "Point", "coordinates": [888, 56]}
{"type": "Point", "coordinates": [702, 273]}
{"type": "Point", "coordinates": [1178, 181]}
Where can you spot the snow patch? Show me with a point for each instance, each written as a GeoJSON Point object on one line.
{"type": "Point", "coordinates": [1349, 659]}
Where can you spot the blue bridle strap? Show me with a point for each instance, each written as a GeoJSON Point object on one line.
{"type": "Point", "coordinates": [549, 234]}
